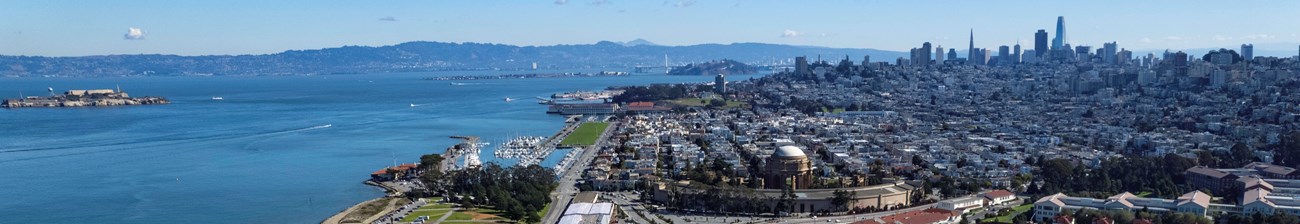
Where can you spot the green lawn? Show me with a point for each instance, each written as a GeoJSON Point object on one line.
{"type": "Point", "coordinates": [585, 134]}
{"type": "Point", "coordinates": [1012, 215]}
{"type": "Point", "coordinates": [433, 215]}
{"type": "Point", "coordinates": [467, 215]}
{"type": "Point", "coordinates": [436, 206]}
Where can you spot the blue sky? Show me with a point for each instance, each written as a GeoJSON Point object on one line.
{"type": "Point", "coordinates": [74, 28]}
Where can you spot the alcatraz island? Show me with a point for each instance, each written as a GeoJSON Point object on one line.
{"type": "Point", "coordinates": [83, 98]}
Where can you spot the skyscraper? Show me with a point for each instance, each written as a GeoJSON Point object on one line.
{"type": "Point", "coordinates": [952, 54]}
{"type": "Point", "coordinates": [926, 49]}
{"type": "Point", "coordinates": [938, 54]}
{"type": "Point", "coordinates": [720, 84]}
{"type": "Point", "coordinates": [1004, 55]}
{"type": "Point", "coordinates": [970, 52]}
{"type": "Point", "coordinates": [1040, 43]}
{"type": "Point", "coordinates": [1247, 51]}
{"type": "Point", "coordinates": [1015, 54]}
{"type": "Point", "coordinates": [801, 65]}
{"type": "Point", "coordinates": [1059, 41]}
{"type": "Point", "coordinates": [1108, 51]}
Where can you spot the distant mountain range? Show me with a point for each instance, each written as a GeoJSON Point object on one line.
{"type": "Point", "coordinates": [425, 56]}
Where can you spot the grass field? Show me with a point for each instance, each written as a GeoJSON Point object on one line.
{"type": "Point", "coordinates": [476, 214]}
{"type": "Point", "coordinates": [585, 134]}
{"type": "Point", "coordinates": [436, 206]}
{"type": "Point", "coordinates": [1007, 218]}
{"type": "Point", "coordinates": [433, 215]}
{"type": "Point", "coordinates": [698, 102]}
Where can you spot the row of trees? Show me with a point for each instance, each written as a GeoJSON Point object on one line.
{"type": "Point", "coordinates": [519, 192]}
{"type": "Point", "coordinates": [653, 92]}
{"type": "Point", "coordinates": [1160, 176]}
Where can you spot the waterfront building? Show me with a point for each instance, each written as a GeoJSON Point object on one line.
{"type": "Point", "coordinates": [1040, 42]}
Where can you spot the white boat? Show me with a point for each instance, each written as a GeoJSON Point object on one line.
{"type": "Point", "coordinates": [217, 98]}
{"type": "Point", "coordinates": [413, 105]}
{"type": "Point", "coordinates": [508, 99]}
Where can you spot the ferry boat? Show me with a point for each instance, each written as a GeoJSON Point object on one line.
{"type": "Point", "coordinates": [217, 98]}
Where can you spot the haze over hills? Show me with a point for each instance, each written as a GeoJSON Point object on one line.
{"type": "Point", "coordinates": [424, 56]}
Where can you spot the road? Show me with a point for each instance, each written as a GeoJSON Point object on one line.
{"type": "Point", "coordinates": [560, 198]}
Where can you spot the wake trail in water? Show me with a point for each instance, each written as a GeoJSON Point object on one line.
{"type": "Point", "coordinates": [147, 144]}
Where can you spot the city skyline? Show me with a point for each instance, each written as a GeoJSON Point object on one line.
{"type": "Point", "coordinates": [59, 28]}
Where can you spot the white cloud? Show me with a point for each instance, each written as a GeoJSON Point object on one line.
{"type": "Point", "coordinates": [790, 33]}
{"type": "Point", "coordinates": [1221, 38]}
{"type": "Point", "coordinates": [1146, 40]}
{"type": "Point", "coordinates": [1174, 38]}
{"type": "Point", "coordinates": [561, 2]}
{"type": "Point", "coordinates": [133, 34]}
{"type": "Point", "coordinates": [684, 3]}
{"type": "Point", "coordinates": [1258, 36]}
{"type": "Point", "coordinates": [600, 2]}
{"type": "Point", "coordinates": [389, 19]}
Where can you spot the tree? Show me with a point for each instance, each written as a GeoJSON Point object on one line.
{"type": "Point", "coordinates": [842, 198]}
{"type": "Point", "coordinates": [717, 103]}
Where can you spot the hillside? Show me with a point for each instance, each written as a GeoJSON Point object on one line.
{"type": "Point", "coordinates": [418, 56]}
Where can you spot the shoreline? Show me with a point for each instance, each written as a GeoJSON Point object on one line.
{"type": "Point", "coordinates": [338, 217]}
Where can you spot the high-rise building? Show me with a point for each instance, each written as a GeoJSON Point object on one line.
{"type": "Point", "coordinates": [1108, 51]}
{"type": "Point", "coordinates": [1248, 51]}
{"type": "Point", "coordinates": [926, 49]}
{"type": "Point", "coordinates": [938, 54]}
{"type": "Point", "coordinates": [970, 53]}
{"type": "Point", "coordinates": [801, 65]}
{"type": "Point", "coordinates": [1004, 55]}
{"type": "Point", "coordinates": [1059, 41]}
{"type": "Point", "coordinates": [1040, 42]}
{"type": "Point", "coordinates": [984, 56]}
{"type": "Point", "coordinates": [1015, 54]}
{"type": "Point", "coordinates": [1124, 57]}
{"type": "Point", "coordinates": [866, 59]}
{"type": "Point", "coordinates": [952, 54]}
{"type": "Point", "coordinates": [1083, 53]}
{"type": "Point", "coordinates": [720, 84]}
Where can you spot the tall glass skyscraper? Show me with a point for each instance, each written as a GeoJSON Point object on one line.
{"type": "Point", "coordinates": [1059, 41]}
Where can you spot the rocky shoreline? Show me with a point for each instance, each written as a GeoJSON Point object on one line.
{"type": "Point", "coordinates": [83, 98]}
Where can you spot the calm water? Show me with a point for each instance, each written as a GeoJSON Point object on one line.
{"type": "Point", "coordinates": [260, 156]}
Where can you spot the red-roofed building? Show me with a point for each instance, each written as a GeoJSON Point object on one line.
{"type": "Point", "coordinates": [927, 216]}
{"type": "Point", "coordinates": [1103, 220]}
{"type": "Point", "coordinates": [1142, 221]}
{"type": "Point", "coordinates": [394, 172]}
{"type": "Point", "coordinates": [1063, 219]}
{"type": "Point", "coordinates": [997, 197]}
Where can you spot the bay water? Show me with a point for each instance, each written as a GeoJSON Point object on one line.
{"type": "Point", "coordinates": [290, 149]}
